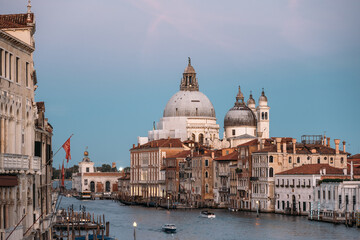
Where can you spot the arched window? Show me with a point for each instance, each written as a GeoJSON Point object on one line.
{"type": "Point", "coordinates": [201, 138]}
{"type": "Point", "coordinates": [262, 115]}
{"type": "Point", "coordinates": [289, 159]}
{"type": "Point", "coordinates": [206, 162]}
{"type": "Point", "coordinates": [107, 186]}
{"type": "Point", "coordinates": [206, 188]}
{"type": "Point", "coordinates": [298, 159]}
{"type": "Point", "coordinates": [193, 137]}
{"type": "Point", "coordinates": [266, 115]}
{"type": "Point", "coordinates": [92, 186]}
{"type": "Point", "coordinates": [271, 172]}
{"type": "Point", "coordinates": [206, 174]}
{"type": "Point", "coordinates": [271, 159]}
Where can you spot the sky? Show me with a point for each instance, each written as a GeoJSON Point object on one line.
{"type": "Point", "coordinates": [106, 69]}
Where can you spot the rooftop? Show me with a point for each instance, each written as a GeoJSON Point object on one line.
{"type": "Point", "coordinates": [15, 20]}
{"type": "Point", "coordinates": [161, 143]}
{"type": "Point", "coordinates": [310, 169]}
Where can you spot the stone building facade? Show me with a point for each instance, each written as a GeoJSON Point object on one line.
{"type": "Point", "coordinates": [25, 136]}
{"type": "Point", "coordinates": [146, 162]}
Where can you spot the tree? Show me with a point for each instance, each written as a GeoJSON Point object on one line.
{"type": "Point", "coordinates": [106, 168]}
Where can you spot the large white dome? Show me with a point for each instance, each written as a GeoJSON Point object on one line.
{"type": "Point", "coordinates": [189, 104]}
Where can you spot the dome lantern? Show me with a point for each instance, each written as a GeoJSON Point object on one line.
{"type": "Point", "coordinates": [189, 81]}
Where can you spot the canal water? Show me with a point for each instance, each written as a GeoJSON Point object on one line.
{"type": "Point", "coordinates": [226, 226]}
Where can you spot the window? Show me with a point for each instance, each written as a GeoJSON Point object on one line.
{"type": "Point", "coordinates": [206, 188]}
{"type": "Point", "coordinates": [318, 161]}
{"type": "Point", "coordinates": [5, 64]}
{"type": "Point", "coordinates": [298, 159]}
{"type": "Point", "coordinates": [289, 159]}
{"type": "Point", "coordinates": [107, 186]}
{"type": "Point", "coordinates": [206, 174]}
{"type": "Point", "coordinates": [10, 70]}
{"type": "Point", "coordinates": [233, 132]}
{"type": "Point", "coordinates": [283, 204]}
{"type": "Point", "coordinates": [304, 206]}
{"type": "Point", "coordinates": [85, 182]}
{"type": "Point", "coordinates": [266, 115]}
{"type": "Point", "coordinates": [17, 70]}
{"type": "Point", "coordinates": [278, 204]}
{"type": "Point", "coordinates": [342, 160]}
{"type": "Point", "coordinates": [27, 74]}
{"type": "Point", "coordinates": [262, 115]}
{"type": "Point", "coordinates": [197, 111]}
{"type": "Point", "coordinates": [319, 194]}
{"type": "Point", "coordinates": [331, 160]}
{"type": "Point", "coordinates": [87, 169]}
{"type": "Point", "coordinates": [271, 159]}
{"type": "Point", "coordinates": [206, 162]}
{"type": "Point", "coordinates": [271, 172]}
{"type": "Point", "coordinates": [1, 62]}
{"type": "Point", "coordinates": [339, 201]}
{"type": "Point", "coordinates": [329, 195]}
{"type": "Point", "coordinates": [323, 194]}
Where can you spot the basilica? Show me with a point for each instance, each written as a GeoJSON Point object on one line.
{"type": "Point", "coordinates": [190, 115]}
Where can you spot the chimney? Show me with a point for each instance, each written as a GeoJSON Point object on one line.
{"type": "Point", "coordinates": [262, 145]}
{"type": "Point", "coordinates": [328, 142]}
{"type": "Point", "coordinates": [138, 144]}
{"type": "Point", "coordinates": [294, 145]}
{"type": "Point", "coordinates": [133, 145]}
{"type": "Point", "coordinates": [344, 149]}
{"type": "Point", "coordinates": [113, 165]}
{"type": "Point", "coordinates": [324, 141]}
{"type": "Point", "coordinates": [337, 142]}
{"type": "Point", "coordinates": [284, 146]}
{"type": "Point", "coordinates": [278, 146]}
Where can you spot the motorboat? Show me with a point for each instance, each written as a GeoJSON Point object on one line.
{"type": "Point", "coordinates": [207, 214]}
{"type": "Point", "coordinates": [169, 228]}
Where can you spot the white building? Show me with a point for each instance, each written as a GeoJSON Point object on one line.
{"type": "Point", "coordinates": [188, 115]}
{"type": "Point", "coordinates": [294, 188]}
{"type": "Point", "coordinates": [89, 180]}
{"type": "Point", "coordinates": [337, 195]}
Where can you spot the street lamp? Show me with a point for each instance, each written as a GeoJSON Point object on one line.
{"type": "Point", "coordinates": [134, 225]}
{"type": "Point", "coordinates": [168, 202]}
{"type": "Point", "coordinates": [257, 209]}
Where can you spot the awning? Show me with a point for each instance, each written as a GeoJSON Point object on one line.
{"type": "Point", "coordinates": [8, 181]}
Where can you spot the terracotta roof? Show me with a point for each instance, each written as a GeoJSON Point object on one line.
{"type": "Point", "coordinates": [104, 174]}
{"type": "Point", "coordinates": [302, 149]}
{"type": "Point", "coordinates": [15, 20]}
{"type": "Point", "coordinates": [164, 143]}
{"type": "Point", "coordinates": [126, 177]}
{"type": "Point", "coordinates": [182, 154]}
{"type": "Point", "coordinates": [250, 143]}
{"type": "Point", "coordinates": [356, 156]}
{"type": "Point", "coordinates": [230, 157]}
{"type": "Point", "coordinates": [309, 169]}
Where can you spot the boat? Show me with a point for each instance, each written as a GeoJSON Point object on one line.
{"type": "Point", "coordinates": [207, 214]}
{"type": "Point", "coordinates": [169, 228]}
{"type": "Point", "coordinates": [85, 195]}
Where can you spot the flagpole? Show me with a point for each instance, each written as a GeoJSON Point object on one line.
{"type": "Point", "coordinates": [61, 146]}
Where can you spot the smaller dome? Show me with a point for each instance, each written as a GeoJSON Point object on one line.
{"type": "Point", "coordinates": [240, 114]}
{"type": "Point", "coordinates": [251, 100]}
{"type": "Point", "coordinates": [86, 153]}
{"type": "Point", "coordinates": [263, 97]}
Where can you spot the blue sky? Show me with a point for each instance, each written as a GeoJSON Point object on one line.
{"type": "Point", "coordinates": [106, 69]}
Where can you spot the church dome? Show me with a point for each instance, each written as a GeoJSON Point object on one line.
{"type": "Point", "coordinates": [240, 114]}
{"type": "Point", "coordinates": [189, 104]}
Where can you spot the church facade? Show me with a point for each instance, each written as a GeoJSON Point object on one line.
{"type": "Point", "coordinates": [190, 115]}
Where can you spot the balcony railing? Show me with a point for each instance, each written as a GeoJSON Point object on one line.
{"type": "Point", "coordinates": [35, 163]}
{"type": "Point", "coordinates": [16, 162]}
{"type": "Point", "coordinates": [224, 189]}
{"type": "Point", "coordinates": [224, 174]}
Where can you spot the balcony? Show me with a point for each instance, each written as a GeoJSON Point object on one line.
{"type": "Point", "coordinates": [224, 189]}
{"type": "Point", "coordinates": [14, 162]}
{"type": "Point", "coordinates": [224, 174]}
{"type": "Point", "coordinates": [35, 163]}
{"type": "Point", "coordinates": [254, 178]}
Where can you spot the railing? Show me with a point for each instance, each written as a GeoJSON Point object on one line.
{"type": "Point", "coordinates": [224, 174]}
{"type": "Point", "coordinates": [35, 164]}
{"type": "Point", "coordinates": [254, 178]}
{"type": "Point", "coordinates": [14, 162]}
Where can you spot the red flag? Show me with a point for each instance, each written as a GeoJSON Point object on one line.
{"type": "Point", "coordinates": [62, 175]}
{"type": "Point", "coordinates": [66, 147]}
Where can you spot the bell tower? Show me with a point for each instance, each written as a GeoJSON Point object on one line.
{"type": "Point", "coordinates": [189, 81]}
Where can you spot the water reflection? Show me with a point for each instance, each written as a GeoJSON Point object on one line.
{"type": "Point", "coordinates": [226, 225]}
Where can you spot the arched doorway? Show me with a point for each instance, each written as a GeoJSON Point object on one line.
{"type": "Point", "coordinates": [92, 186]}
{"type": "Point", "coordinates": [107, 186]}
